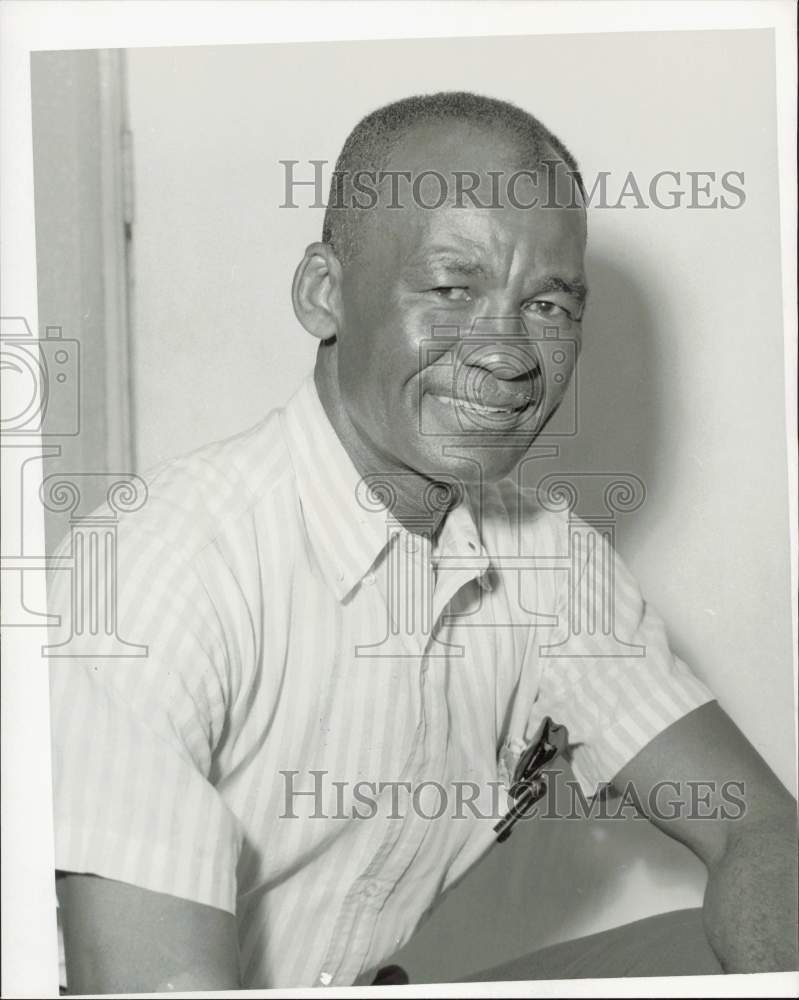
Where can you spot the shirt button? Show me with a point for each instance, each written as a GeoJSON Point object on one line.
{"type": "Point", "coordinates": [369, 579]}
{"type": "Point", "coordinates": [370, 890]}
{"type": "Point", "coordinates": [325, 978]}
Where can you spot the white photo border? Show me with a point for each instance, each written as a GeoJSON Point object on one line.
{"type": "Point", "coordinates": [29, 947]}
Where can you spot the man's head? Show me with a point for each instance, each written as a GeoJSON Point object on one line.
{"type": "Point", "coordinates": [452, 258]}
{"type": "Point", "coordinates": [371, 144]}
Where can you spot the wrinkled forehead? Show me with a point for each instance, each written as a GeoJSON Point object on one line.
{"type": "Point", "coordinates": [486, 239]}
{"type": "Point", "coordinates": [486, 236]}
{"type": "Point", "coordinates": [462, 246]}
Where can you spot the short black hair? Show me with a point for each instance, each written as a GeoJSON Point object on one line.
{"type": "Point", "coordinates": [369, 146]}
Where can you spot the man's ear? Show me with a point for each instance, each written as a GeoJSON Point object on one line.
{"type": "Point", "coordinates": [316, 291]}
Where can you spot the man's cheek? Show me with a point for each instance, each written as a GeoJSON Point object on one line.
{"type": "Point", "coordinates": [556, 384]}
{"type": "Point", "coordinates": [431, 331]}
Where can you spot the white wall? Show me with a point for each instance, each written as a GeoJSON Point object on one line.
{"type": "Point", "coordinates": [70, 253]}
{"type": "Point", "coordinates": [681, 378]}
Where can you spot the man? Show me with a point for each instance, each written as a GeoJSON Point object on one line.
{"type": "Point", "coordinates": [330, 606]}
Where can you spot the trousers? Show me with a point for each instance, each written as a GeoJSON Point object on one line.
{"type": "Point", "coordinates": [668, 944]}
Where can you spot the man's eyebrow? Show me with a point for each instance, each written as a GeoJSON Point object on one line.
{"type": "Point", "coordinates": [453, 262]}
{"type": "Point", "coordinates": [575, 287]}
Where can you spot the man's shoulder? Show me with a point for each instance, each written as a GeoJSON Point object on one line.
{"type": "Point", "coordinates": [197, 498]}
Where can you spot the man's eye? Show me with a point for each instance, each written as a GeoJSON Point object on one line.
{"type": "Point", "coordinates": [548, 310]}
{"type": "Point", "coordinates": [453, 293]}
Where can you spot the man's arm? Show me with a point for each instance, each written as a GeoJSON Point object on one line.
{"type": "Point", "coordinates": [750, 909]}
{"type": "Point", "coordinates": [119, 938]}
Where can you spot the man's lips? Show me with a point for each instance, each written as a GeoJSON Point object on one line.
{"type": "Point", "coordinates": [472, 404]}
{"type": "Point", "coordinates": [491, 394]}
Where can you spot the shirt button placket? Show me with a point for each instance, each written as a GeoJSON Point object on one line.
{"type": "Point", "coordinates": [351, 940]}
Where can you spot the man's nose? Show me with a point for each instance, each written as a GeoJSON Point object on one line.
{"type": "Point", "coordinates": [502, 346]}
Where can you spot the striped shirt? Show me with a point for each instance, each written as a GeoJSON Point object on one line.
{"type": "Point", "coordinates": [323, 689]}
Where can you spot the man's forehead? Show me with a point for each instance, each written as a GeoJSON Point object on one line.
{"type": "Point", "coordinates": [462, 188]}
{"type": "Point", "coordinates": [472, 239]}
{"type": "Point", "coordinates": [469, 168]}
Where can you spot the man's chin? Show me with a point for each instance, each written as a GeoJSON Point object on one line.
{"type": "Point", "coordinates": [472, 465]}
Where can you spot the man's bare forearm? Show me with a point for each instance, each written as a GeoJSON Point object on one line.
{"type": "Point", "coordinates": [750, 908]}
{"type": "Point", "coordinates": [119, 938]}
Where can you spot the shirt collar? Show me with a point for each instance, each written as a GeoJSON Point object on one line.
{"type": "Point", "coordinates": [459, 536]}
{"type": "Point", "coordinates": [348, 525]}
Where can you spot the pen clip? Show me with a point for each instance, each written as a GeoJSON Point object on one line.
{"type": "Point", "coordinates": [551, 740]}
{"type": "Point", "coordinates": [529, 785]}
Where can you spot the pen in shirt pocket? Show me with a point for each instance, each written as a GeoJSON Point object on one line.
{"type": "Point", "coordinates": [529, 783]}
{"type": "Point", "coordinates": [526, 782]}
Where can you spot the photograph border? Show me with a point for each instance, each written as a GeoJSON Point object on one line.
{"type": "Point", "coordinates": [29, 941]}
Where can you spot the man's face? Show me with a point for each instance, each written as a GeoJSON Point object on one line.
{"type": "Point", "coordinates": [448, 361]}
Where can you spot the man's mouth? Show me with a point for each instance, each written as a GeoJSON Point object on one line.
{"type": "Point", "coordinates": [469, 404]}
{"type": "Point", "coordinates": [493, 397]}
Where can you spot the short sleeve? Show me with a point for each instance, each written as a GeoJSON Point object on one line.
{"type": "Point", "coordinates": [139, 691]}
{"type": "Point", "coordinates": [608, 673]}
